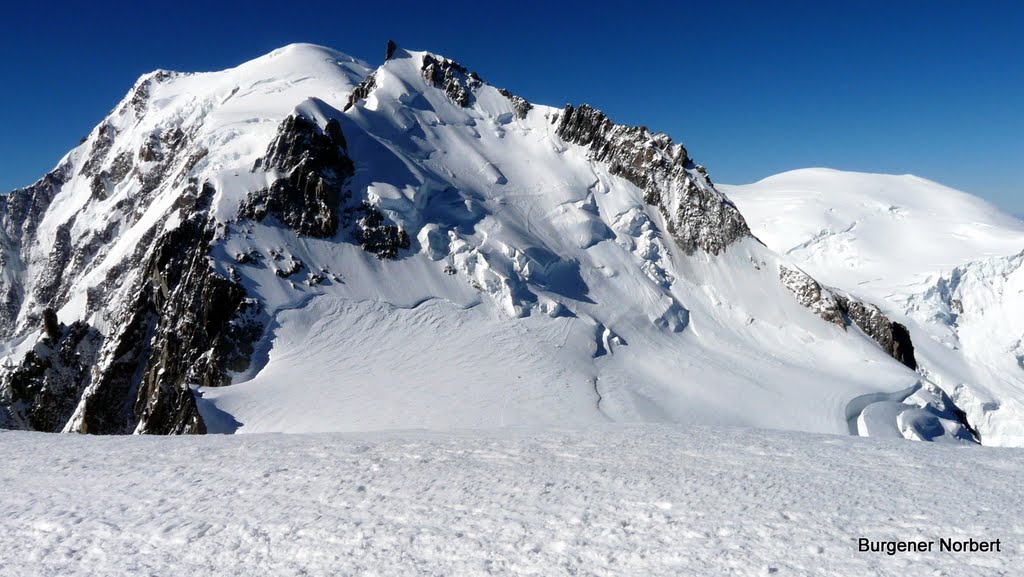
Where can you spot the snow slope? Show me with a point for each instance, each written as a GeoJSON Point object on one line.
{"type": "Point", "coordinates": [943, 262]}
{"type": "Point", "coordinates": [556, 261]}
{"type": "Point", "coordinates": [411, 247]}
{"type": "Point", "coordinates": [233, 114]}
{"type": "Point", "coordinates": [607, 500]}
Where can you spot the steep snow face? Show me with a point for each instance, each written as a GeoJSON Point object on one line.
{"type": "Point", "coordinates": [409, 246]}
{"type": "Point", "coordinates": [945, 263]}
{"type": "Point", "coordinates": [125, 178]}
{"type": "Point", "coordinates": [115, 237]}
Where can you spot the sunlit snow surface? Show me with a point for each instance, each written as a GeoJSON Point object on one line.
{"type": "Point", "coordinates": [607, 500]}
{"type": "Point", "coordinates": [539, 291]}
{"type": "Point", "coordinates": [943, 262]}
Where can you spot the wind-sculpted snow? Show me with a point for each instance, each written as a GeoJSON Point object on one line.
{"type": "Point", "coordinates": [607, 500]}
{"type": "Point", "coordinates": [353, 248]}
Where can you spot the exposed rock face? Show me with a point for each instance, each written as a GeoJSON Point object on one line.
{"type": "Point", "coordinates": [308, 199]}
{"type": "Point", "coordinates": [199, 347]}
{"type": "Point", "coordinates": [44, 389]}
{"type": "Point", "coordinates": [48, 285]}
{"type": "Point", "coordinates": [100, 149]}
{"type": "Point", "coordinates": [520, 104]}
{"type": "Point", "coordinates": [21, 211]}
{"type": "Point", "coordinates": [182, 325]}
{"type": "Point", "coordinates": [843, 311]}
{"type": "Point", "coordinates": [451, 77]}
{"type": "Point", "coordinates": [106, 180]}
{"type": "Point", "coordinates": [893, 337]}
{"type": "Point", "coordinates": [361, 91]}
{"type": "Point", "coordinates": [698, 216]}
{"type": "Point", "coordinates": [812, 295]}
{"type": "Point", "coordinates": [187, 326]}
{"type": "Point", "coordinates": [384, 240]}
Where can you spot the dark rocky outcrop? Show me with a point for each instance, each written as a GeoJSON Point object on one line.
{"type": "Point", "coordinates": [893, 337]}
{"type": "Point", "coordinates": [312, 199]}
{"type": "Point", "coordinates": [21, 210]}
{"type": "Point", "coordinates": [205, 326]}
{"type": "Point", "coordinates": [317, 165]}
{"type": "Point", "coordinates": [845, 311]}
{"type": "Point", "coordinates": [186, 326]}
{"type": "Point", "coordinates": [48, 284]}
{"type": "Point", "coordinates": [162, 149]}
{"type": "Point", "coordinates": [697, 216]}
{"type": "Point", "coordinates": [453, 78]}
{"type": "Point", "coordinates": [100, 148]}
{"type": "Point", "coordinates": [138, 101]}
{"type": "Point", "coordinates": [384, 240]}
{"type": "Point", "coordinates": [811, 294]}
{"type": "Point", "coordinates": [291, 267]}
{"type": "Point", "coordinates": [75, 248]}
{"type": "Point", "coordinates": [519, 104]}
{"type": "Point", "coordinates": [103, 182]}
{"type": "Point", "coordinates": [159, 145]}
{"type": "Point", "coordinates": [361, 91]}
{"type": "Point", "coordinates": [43, 390]}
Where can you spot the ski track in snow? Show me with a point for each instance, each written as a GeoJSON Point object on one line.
{"type": "Point", "coordinates": [609, 500]}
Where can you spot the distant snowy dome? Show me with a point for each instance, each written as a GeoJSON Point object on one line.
{"type": "Point", "coordinates": [945, 263]}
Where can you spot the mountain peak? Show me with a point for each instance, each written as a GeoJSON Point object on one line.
{"type": "Point", "coordinates": [405, 246]}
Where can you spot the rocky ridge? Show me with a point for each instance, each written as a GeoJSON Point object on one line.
{"type": "Point", "coordinates": [844, 311]}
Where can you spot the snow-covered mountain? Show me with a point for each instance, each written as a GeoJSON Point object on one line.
{"type": "Point", "coordinates": [357, 248]}
{"type": "Point", "coordinates": [942, 262]}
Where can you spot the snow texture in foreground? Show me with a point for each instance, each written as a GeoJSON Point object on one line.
{"type": "Point", "coordinates": [609, 500]}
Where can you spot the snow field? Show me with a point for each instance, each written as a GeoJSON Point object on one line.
{"type": "Point", "coordinates": [606, 500]}
{"type": "Point", "coordinates": [946, 264]}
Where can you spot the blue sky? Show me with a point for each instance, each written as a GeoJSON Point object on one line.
{"type": "Point", "coordinates": [934, 88]}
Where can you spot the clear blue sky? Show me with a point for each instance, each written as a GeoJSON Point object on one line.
{"type": "Point", "coordinates": [934, 88]}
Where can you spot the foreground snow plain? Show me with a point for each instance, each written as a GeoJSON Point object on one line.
{"type": "Point", "coordinates": [604, 500]}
